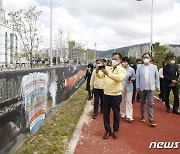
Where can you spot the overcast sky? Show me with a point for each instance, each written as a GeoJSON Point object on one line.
{"type": "Point", "coordinates": [109, 23]}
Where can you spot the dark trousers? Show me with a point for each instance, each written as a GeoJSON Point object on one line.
{"type": "Point", "coordinates": [161, 95]}
{"type": "Point", "coordinates": [135, 97]}
{"type": "Point", "coordinates": [167, 90]}
{"type": "Point", "coordinates": [114, 103]}
{"type": "Point", "coordinates": [98, 93]}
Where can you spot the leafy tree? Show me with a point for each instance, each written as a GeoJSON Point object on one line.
{"type": "Point", "coordinates": [159, 53]}
{"type": "Point", "coordinates": [25, 23]}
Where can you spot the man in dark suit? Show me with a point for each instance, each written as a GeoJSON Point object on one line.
{"type": "Point", "coordinates": [171, 75]}
{"type": "Point", "coordinates": [138, 63]}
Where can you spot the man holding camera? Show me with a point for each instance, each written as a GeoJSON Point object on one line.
{"type": "Point", "coordinates": [114, 76]}
{"type": "Point", "coordinates": [97, 85]}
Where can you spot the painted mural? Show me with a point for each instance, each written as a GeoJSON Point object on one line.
{"type": "Point", "coordinates": [27, 96]}
{"type": "Point", "coordinates": [34, 94]}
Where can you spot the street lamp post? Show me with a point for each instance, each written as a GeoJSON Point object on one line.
{"type": "Point", "coordinates": [152, 14]}
{"type": "Point", "coordinates": [50, 50]}
{"type": "Point", "coordinates": [95, 53]}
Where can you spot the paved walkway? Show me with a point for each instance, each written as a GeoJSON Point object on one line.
{"type": "Point", "coordinates": [133, 137]}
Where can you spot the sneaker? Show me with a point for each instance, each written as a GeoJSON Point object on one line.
{"type": "Point", "coordinates": [152, 123]}
{"type": "Point", "coordinates": [123, 116]}
{"type": "Point", "coordinates": [142, 119]}
{"type": "Point", "coordinates": [129, 120]}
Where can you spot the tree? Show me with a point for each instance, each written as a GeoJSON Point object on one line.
{"type": "Point", "coordinates": [25, 23]}
{"type": "Point", "coordinates": [159, 53]}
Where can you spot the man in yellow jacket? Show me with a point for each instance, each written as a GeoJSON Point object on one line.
{"type": "Point", "coordinates": [97, 85]}
{"type": "Point", "coordinates": [114, 77]}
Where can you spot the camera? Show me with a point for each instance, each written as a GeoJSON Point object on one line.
{"type": "Point", "coordinates": [101, 67]}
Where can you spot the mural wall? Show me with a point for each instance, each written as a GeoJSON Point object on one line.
{"type": "Point", "coordinates": [26, 97]}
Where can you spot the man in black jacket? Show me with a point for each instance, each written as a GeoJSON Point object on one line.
{"type": "Point", "coordinates": [171, 75]}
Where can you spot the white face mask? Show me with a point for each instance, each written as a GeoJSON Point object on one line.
{"type": "Point", "coordinates": [114, 62]}
{"type": "Point", "coordinates": [172, 62]}
{"type": "Point", "coordinates": [98, 65]}
{"type": "Point", "coordinates": [138, 65]}
{"type": "Point", "coordinates": [146, 60]}
{"type": "Point", "coordinates": [123, 64]}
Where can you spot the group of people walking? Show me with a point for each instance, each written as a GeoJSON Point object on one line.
{"type": "Point", "coordinates": [115, 86]}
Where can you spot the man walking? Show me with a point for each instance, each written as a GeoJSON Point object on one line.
{"type": "Point", "coordinates": [114, 76]}
{"type": "Point", "coordinates": [171, 75]}
{"type": "Point", "coordinates": [147, 80]}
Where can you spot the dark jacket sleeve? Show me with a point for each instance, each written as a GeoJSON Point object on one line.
{"type": "Point", "coordinates": [86, 75]}
{"type": "Point", "coordinates": [165, 73]}
{"type": "Point", "coordinates": [177, 73]}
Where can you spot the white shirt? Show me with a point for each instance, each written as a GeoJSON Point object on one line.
{"type": "Point", "coordinates": [161, 73]}
{"type": "Point", "coordinates": [147, 80]}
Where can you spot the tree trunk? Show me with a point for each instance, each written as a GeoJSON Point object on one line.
{"type": "Point", "coordinates": [31, 62]}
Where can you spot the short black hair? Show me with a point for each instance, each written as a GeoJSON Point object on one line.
{"type": "Point", "coordinates": [126, 59]}
{"type": "Point", "coordinates": [104, 60]}
{"type": "Point", "coordinates": [138, 60]}
{"type": "Point", "coordinates": [117, 53]}
{"type": "Point", "coordinates": [146, 53]}
{"type": "Point", "coordinates": [172, 56]}
{"type": "Point", "coordinates": [90, 65]}
{"type": "Point", "coordinates": [98, 60]}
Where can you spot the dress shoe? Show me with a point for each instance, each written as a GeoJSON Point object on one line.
{"type": "Point", "coordinates": [95, 116]}
{"type": "Point", "coordinates": [106, 135]}
{"type": "Point", "coordinates": [115, 134]}
{"type": "Point", "coordinates": [176, 112]}
{"type": "Point", "coordinates": [168, 111]}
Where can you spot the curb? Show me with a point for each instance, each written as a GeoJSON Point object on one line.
{"type": "Point", "coordinates": [77, 133]}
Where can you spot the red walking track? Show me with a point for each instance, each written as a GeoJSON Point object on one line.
{"type": "Point", "coordinates": [133, 137]}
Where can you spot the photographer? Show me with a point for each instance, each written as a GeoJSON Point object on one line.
{"type": "Point", "coordinates": [97, 85]}
{"type": "Point", "coordinates": [114, 76]}
{"type": "Point", "coordinates": [126, 104]}
{"type": "Point", "coordinates": [88, 78]}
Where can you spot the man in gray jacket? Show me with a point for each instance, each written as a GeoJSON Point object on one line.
{"type": "Point", "coordinates": [147, 80]}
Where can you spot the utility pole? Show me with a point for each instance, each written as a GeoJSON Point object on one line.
{"type": "Point", "coordinates": [50, 33]}
{"type": "Point", "coordinates": [95, 53]}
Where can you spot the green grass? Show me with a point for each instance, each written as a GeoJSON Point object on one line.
{"type": "Point", "coordinates": [56, 132]}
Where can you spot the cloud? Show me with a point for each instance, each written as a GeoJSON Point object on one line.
{"type": "Point", "coordinates": [114, 23]}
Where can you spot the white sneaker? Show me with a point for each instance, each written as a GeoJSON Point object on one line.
{"type": "Point", "coordinates": [123, 116]}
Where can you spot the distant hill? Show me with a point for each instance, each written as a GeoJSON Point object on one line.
{"type": "Point", "coordinates": [123, 50]}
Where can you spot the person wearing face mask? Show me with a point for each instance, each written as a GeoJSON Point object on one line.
{"type": "Point", "coordinates": [171, 75]}
{"type": "Point", "coordinates": [126, 104]}
{"type": "Point", "coordinates": [147, 80]}
{"type": "Point", "coordinates": [136, 95]}
{"type": "Point", "coordinates": [97, 85]}
{"type": "Point", "coordinates": [114, 76]}
{"type": "Point", "coordinates": [88, 78]}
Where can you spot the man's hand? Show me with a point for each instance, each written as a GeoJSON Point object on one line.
{"type": "Point", "coordinates": [105, 71]}
{"type": "Point", "coordinates": [174, 81]}
{"type": "Point", "coordinates": [158, 90]}
{"type": "Point", "coordinates": [137, 90]}
{"type": "Point", "coordinates": [97, 69]}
